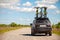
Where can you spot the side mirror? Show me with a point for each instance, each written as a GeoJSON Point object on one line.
{"type": "Point", "coordinates": [31, 24]}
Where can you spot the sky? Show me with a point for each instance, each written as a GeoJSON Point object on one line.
{"type": "Point", "coordinates": [23, 11]}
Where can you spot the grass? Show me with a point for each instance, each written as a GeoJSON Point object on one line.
{"type": "Point", "coordinates": [6, 29]}
{"type": "Point", "coordinates": [56, 31]}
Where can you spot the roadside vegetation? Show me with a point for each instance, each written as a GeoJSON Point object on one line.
{"type": "Point", "coordinates": [56, 28]}
{"type": "Point", "coordinates": [13, 26]}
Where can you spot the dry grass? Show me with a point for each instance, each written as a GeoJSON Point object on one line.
{"type": "Point", "coordinates": [56, 31]}
{"type": "Point", "coordinates": [5, 29]}
{"type": "Point", "coordinates": [9, 28]}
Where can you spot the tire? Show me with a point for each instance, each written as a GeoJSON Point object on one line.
{"type": "Point", "coordinates": [45, 34]}
{"type": "Point", "coordinates": [32, 32]}
{"type": "Point", "coordinates": [50, 33]}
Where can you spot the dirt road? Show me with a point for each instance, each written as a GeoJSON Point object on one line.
{"type": "Point", "coordinates": [24, 34]}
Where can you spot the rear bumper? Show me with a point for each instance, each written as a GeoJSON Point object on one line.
{"type": "Point", "coordinates": [43, 30]}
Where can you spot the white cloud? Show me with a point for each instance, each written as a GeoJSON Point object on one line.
{"type": "Point", "coordinates": [47, 3]}
{"type": "Point", "coordinates": [50, 1]}
{"type": "Point", "coordinates": [27, 4]}
{"type": "Point", "coordinates": [58, 11]}
{"type": "Point", "coordinates": [27, 9]}
{"type": "Point", "coordinates": [14, 5]}
{"type": "Point", "coordinates": [48, 6]}
{"type": "Point", "coordinates": [4, 5]}
{"type": "Point", "coordinates": [8, 5]}
{"type": "Point", "coordinates": [52, 7]}
{"type": "Point", "coordinates": [9, 1]}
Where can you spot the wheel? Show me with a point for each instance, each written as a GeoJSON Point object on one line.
{"type": "Point", "coordinates": [50, 33]}
{"type": "Point", "coordinates": [46, 34]}
{"type": "Point", "coordinates": [32, 32]}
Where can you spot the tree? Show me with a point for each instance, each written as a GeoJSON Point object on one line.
{"type": "Point", "coordinates": [13, 24]}
{"type": "Point", "coordinates": [3, 25]}
{"type": "Point", "coordinates": [58, 25]}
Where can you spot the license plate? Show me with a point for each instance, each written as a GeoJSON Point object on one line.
{"type": "Point", "coordinates": [42, 25]}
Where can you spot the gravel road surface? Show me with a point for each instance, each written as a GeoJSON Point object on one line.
{"type": "Point", "coordinates": [25, 34]}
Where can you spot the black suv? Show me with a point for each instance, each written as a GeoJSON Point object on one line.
{"type": "Point", "coordinates": [41, 24]}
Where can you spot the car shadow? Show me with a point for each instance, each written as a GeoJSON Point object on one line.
{"type": "Point", "coordinates": [31, 35]}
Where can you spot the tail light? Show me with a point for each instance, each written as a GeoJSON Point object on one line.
{"type": "Point", "coordinates": [49, 25]}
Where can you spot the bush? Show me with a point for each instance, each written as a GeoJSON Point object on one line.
{"type": "Point", "coordinates": [3, 25]}
{"type": "Point", "coordinates": [13, 24]}
{"type": "Point", "coordinates": [56, 25]}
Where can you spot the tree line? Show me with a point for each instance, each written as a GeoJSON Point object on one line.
{"type": "Point", "coordinates": [13, 24]}
{"type": "Point", "coordinates": [56, 25]}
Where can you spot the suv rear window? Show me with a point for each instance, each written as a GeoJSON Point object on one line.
{"type": "Point", "coordinates": [43, 21]}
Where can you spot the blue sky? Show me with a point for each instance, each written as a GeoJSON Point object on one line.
{"type": "Point", "coordinates": [22, 11]}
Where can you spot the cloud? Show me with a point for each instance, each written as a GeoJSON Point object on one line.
{"type": "Point", "coordinates": [5, 5]}
{"type": "Point", "coordinates": [8, 5]}
{"type": "Point", "coordinates": [9, 1]}
{"type": "Point", "coordinates": [14, 5]}
{"type": "Point", "coordinates": [48, 6]}
{"type": "Point", "coordinates": [58, 11]}
{"type": "Point", "coordinates": [50, 1]}
{"type": "Point", "coordinates": [27, 4]}
{"type": "Point", "coordinates": [52, 7]}
{"type": "Point", "coordinates": [27, 9]}
{"type": "Point", "coordinates": [47, 3]}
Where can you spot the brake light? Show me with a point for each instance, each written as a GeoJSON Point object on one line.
{"type": "Point", "coordinates": [48, 25]}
